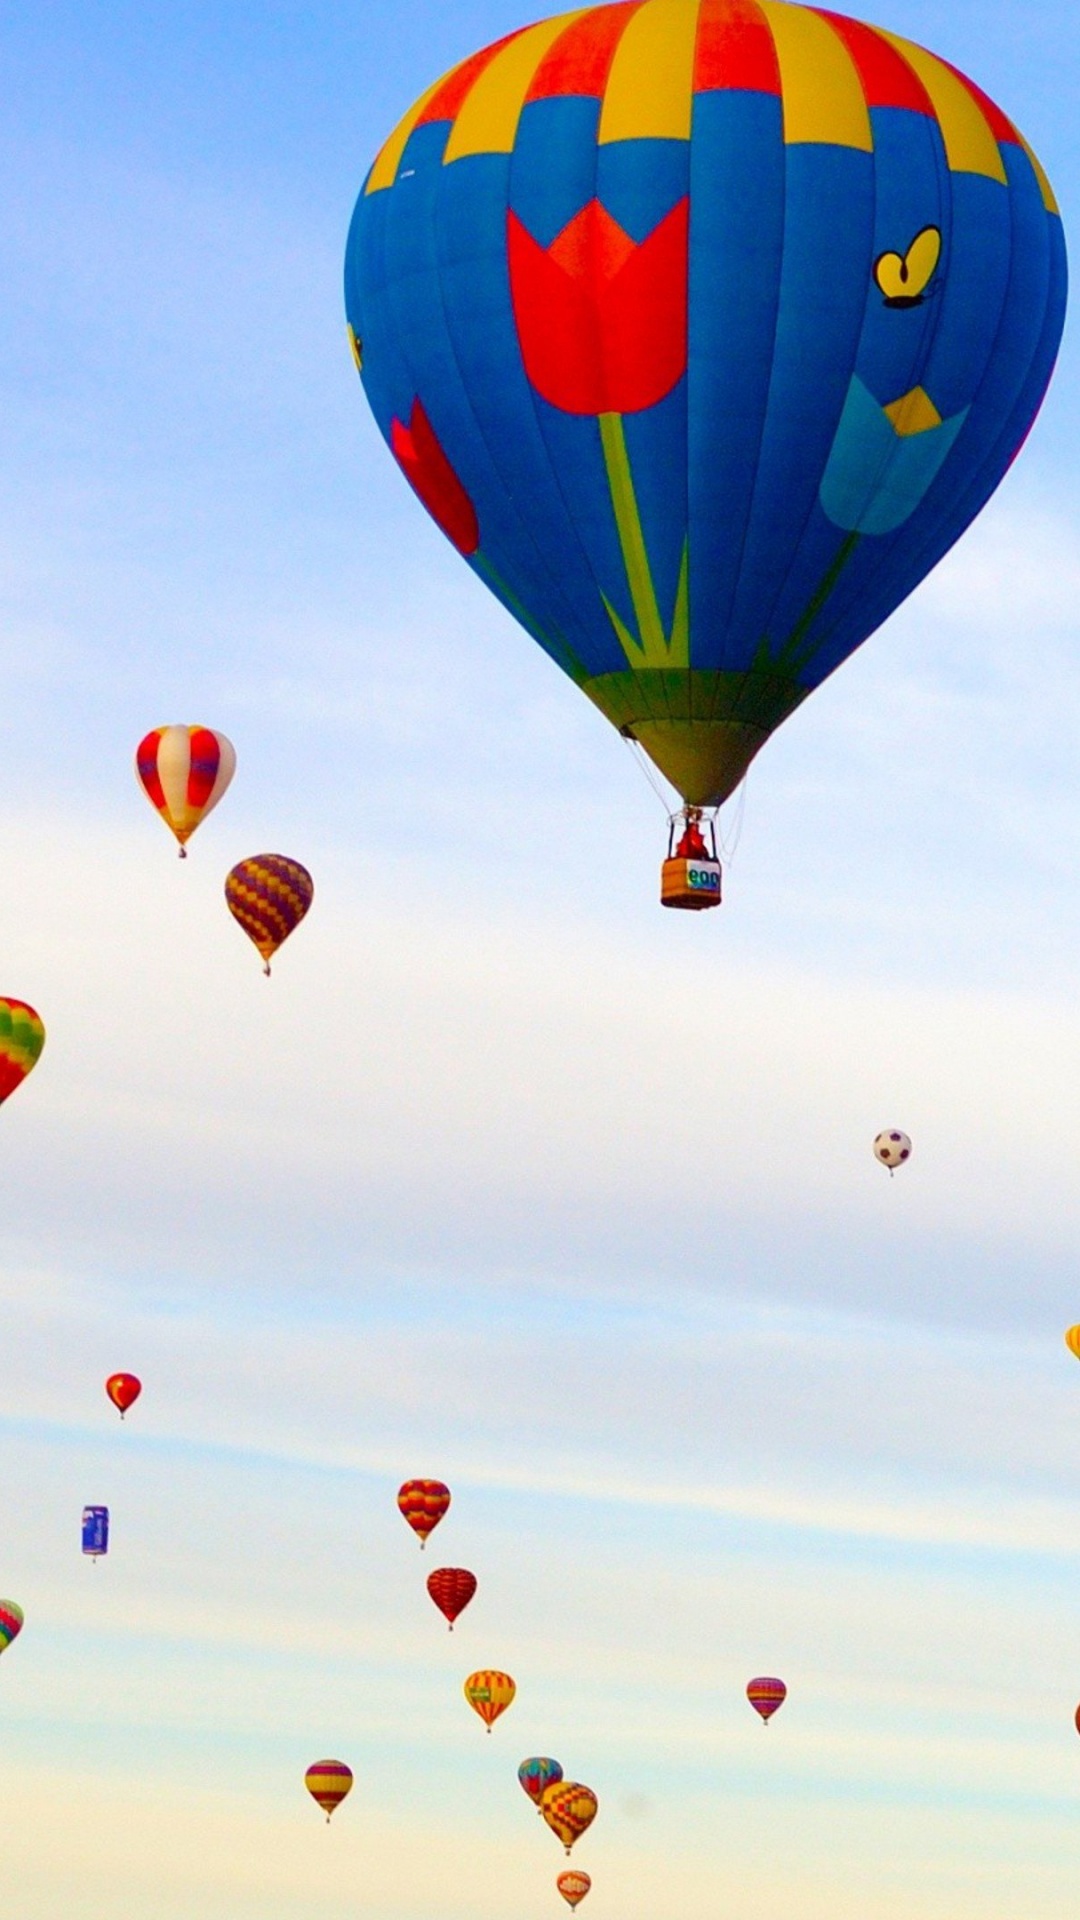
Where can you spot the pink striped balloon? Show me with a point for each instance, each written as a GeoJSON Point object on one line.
{"type": "Point", "coordinates": [765, 1696]}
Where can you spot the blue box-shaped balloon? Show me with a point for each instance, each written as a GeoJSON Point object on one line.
{"type": "Point", "coordinates": [95, 1530]}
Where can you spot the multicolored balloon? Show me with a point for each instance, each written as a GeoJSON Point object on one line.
{"type": "Point", "coordinates": [184, 771]}
{"type": "Point", "coordinates": [328, 1782]}
{"type": "Point", "coordinates": [703, 331]}
{"type": "Point", "coordinates": [22, 1036]}
{"type": "Point", "coordinates": [123, 1390]}
{"type": "Point", "coordinates": [536, 1774]}
{"type": "Point", "coordinates": [268, 896]}
{"type": "Point", "coordinates": [489, 1693]}
{"type": "Point", "coordinates": [892, 1148]}
{"type": "Point", "coordinates": [1072, 1341]}
{"type": "Point", "coordinates": [573, 1886]}
{"type": "Point", "coordinates": [11, 1623]}
{"type": "Point", "coordinates": [423, 1503]}
{"type": "Point", "coordinates": [569, 1809]}
{"type": "Point", "coordinates": [451, 1588]}
{"type": "Point", "coordinates": [765, 1696]}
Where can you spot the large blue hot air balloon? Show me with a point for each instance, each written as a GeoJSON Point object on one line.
{"type": "Point", "coordinates": [703, 328]}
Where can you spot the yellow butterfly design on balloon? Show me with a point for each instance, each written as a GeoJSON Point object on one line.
{"type": "Point", "coordinates": [905, 278]}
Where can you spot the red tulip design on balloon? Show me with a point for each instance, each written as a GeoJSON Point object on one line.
{"type": "Point", "coordinates": [420, 456]}
{"type": "Point", "coordinates": [602, 326]}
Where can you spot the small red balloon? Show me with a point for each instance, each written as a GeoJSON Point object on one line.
{"type": "Point", "coordinates": [451, 1588]}
{"type": "Point", "coordinates": [123, 1390]}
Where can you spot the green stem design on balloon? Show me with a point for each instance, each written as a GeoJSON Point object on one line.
{"type": "Point", "coordinates": [554, 644]}
{"type": "Point", "coordinates": [654, 647]}
{"type": "Point", "coordinates": [793, 656]}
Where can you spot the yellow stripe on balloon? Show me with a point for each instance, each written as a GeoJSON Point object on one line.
{"type": "Point", "coordinates": [388, 160]}
{"type": "Point", "coordinates": [970, 146]}
{"type": "Point", "coordinates": [487, 121]}
{"type": "Point", "coordinates": [650, 89]}
{"type": "Point", "coordinates": [824, 103]}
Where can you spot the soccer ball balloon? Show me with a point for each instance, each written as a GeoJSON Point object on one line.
{"type": "Point", "coordinates": [892, 1148]}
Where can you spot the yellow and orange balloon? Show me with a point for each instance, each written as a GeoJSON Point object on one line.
{"type": "Point", "coordinates": [1072, 1341]}
{"type": "Point", "coordinates": [569, 1809]}
{"type": "Point", "coordinates": [423, 1504]}
{"type": "Point", "coordinates": [489, 1693]}
{"type": "Point", "coordinates": [573, 1886]}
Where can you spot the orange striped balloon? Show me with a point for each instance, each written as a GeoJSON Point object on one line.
{"type": "Point", "coordinates": [328, 1782]}
{"type": "Point", "coordinates": [489, 1693]}
{"type": "Point", "coordinates": [765, 1696]}
{"type": "Point", "coordinates": [184, 771]}
{"type": "Point", "coordinates": [423, 1503]}
{"type": "Point", "coordinates": [573, 1886]}
{"type": "Point", "coordinates": [569, 1809]}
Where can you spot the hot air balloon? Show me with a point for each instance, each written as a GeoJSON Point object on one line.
{"type": "Point", "coordinates": [573, 1886]}
{"type": "Point", "coordinates": [1076, 1719]}
{"type": "Point", "coordinates": [11, 1623]}
{"type": "Point", "coordinates": [892, 1148]}
{"type": "Point", "coordinates": [702, 329]}
{"type": "Point", "coordinates": [184, 771]}
{"type": "Point", "coordinates": [123, 1390]}
{"type": "Point", "coordinates": [569, 1809]}
{"type": "Point", "coordinates": [451, 1588]}
{"type": "Point", "coordinates": [95, 1532]}
{"type": "Point", "coordinates": [328, 1782]}
{"type": "Point", "coordinates": [489, 1693]}
{"type": "Point", "coordinates": [1072, 1341]}
{"type": "Point", "coordinates": [22, 1037]}
{"type": "Point", "coordinates": [269, 895]}
{"type": "Point", "coordinates": [423, 1503]}
{"type": "Point", "coordinates": [538, 1773]}
{"type": "Point", "coordinates": [765, 1696]}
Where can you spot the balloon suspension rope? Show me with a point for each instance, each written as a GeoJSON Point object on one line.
{"type": "Point", "coordinates": [728, 842]}
{"type": "Point", "coordinates": [641, 757]}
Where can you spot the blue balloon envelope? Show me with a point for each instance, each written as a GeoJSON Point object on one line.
{"type": "Point", "coordinates": [703, 328]}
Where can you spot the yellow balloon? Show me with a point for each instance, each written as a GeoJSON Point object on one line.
{"type": "Point", "coordinates": [569, 1808]}
{"type": "Point", "coordinates": [1072, 1341]}
{"type": "Point", "coordinates": [489, 1693]}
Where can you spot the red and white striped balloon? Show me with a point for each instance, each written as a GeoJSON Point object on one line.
{"type": "Point", "coordinates": [184, 771]}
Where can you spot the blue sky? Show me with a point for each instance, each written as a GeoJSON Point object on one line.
{"type": "Point", "coordinates": [506, 1176]}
